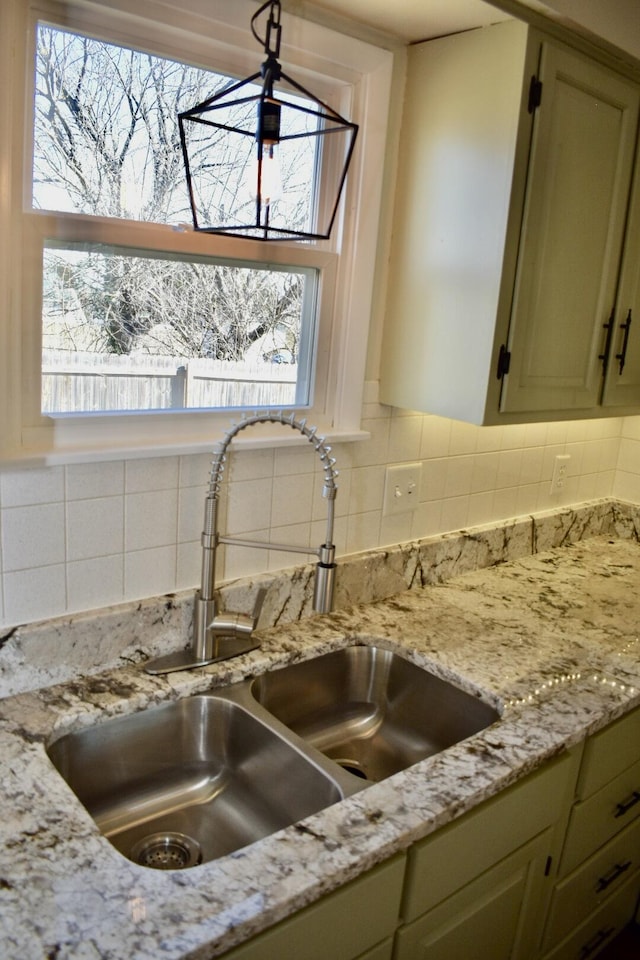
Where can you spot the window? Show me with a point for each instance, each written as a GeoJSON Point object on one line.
{"type": "Point", "coordinates": [123, 308]}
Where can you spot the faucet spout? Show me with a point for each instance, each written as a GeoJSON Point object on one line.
{"type": "Point", "coordinates": [219, 636]}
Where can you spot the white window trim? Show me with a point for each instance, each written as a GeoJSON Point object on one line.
{"type": "Point", "coordinates": [363, 74]}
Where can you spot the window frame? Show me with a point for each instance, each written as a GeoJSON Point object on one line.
{"type": "Point", "coordinates": [360, 87]}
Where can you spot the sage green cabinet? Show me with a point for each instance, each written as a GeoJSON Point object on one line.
{"type": "Point", "coordinates": [622, 383]}
{"type": "Point", "coordinates": [509, 233]}
{"type": "Point", "coordinates": [599, 877]}
{"type": "Point", "coordinates": [488, 918]}
{"type": "Point", "coordinates": [547, 868]}
{"type": "Point", "coordinates": [356, 922]}
{"type": "Point", "coordinates": [480, 886]}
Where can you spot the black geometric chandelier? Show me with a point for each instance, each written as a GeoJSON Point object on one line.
{"type": "Point", "coordinates": [266, 164]}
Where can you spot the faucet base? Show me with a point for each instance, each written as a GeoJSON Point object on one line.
{"type": "Point", "coordinates": [223, 649]}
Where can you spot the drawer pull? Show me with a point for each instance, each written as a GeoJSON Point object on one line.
{"type": "Point", "coordinates": [622, 808]}
{"type": "Point", "coordinates": [616, 872]}
{"type": "Point", "coordinates": [595, 943]}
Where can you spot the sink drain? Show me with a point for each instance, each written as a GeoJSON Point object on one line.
{"type": "Point", "coordinates": [167, 851]}
{"type": "Point", "coordinates": [351, 766]}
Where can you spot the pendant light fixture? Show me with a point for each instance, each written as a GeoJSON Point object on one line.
{"type": "Point", "coordinates": [264, 163]}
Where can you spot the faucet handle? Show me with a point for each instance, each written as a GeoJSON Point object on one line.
{"type": "Point", "coordinates": [238, 624]}
{"type": "Point", "coordinates": [258, 604]}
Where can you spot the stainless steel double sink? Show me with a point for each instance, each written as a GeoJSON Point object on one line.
{"type": "Point", "coordinates": [192, 780]}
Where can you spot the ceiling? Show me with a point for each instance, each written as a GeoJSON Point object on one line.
{"type": "Point", "coordinates": [412, 20]}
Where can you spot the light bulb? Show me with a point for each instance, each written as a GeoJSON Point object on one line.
{"type": "Point", "coordinates": [271, 179]}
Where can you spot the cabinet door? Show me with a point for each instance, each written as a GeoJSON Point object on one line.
{"type": "Point", "coordinates": [622, 384]}
{"type": "Point", "coordinates": [496, 917]}
{"type": "Point", "coordinates": [344, 925]}
{"type": "Point", "coordinates": [577, 196]}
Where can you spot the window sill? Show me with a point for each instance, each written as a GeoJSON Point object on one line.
{"type": "Point", "coordinates": [178, 444]}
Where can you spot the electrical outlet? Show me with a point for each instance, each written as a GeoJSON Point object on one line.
{"type": "Point", "coordinates": [401, 488]}
{"type": "Point", "coordinates": [560, 472]}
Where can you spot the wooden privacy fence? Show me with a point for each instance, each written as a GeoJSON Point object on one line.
{"type": "Point", "coordinates": [75, 382]}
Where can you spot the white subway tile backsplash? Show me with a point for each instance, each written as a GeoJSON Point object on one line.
{"type": "Point", "coordinates": [151, 519]}
{"type": "Point", "coordinates": [149, 573]}
{"type": "Point", "coordinates": [436, 434]}
{"type": "Point", "coordinates": [629, 456]}
{"type": "Point", "coordinates": [485, 472]}
{"type": "Point", "coordinates": [189, 565]}
{"type": "Point", "coordinates": [627, 486]}
{"type": "Point", "coordinates": [463, 438]}
{"type": "Point", "coordinates": [88, 535]}
{"type": "Point", "coordinates": [35, 594]}
{"type": "Point", "coordinates": [191, 504]}
{"type": "Point", "coordinates": [33, 536]}
{"type": "Point", "coordinates": [459, 476]}
{"type": "Point", "coordinates": [363, 530]}
{"type": "Point", "coordinates": [250, 464]}
{"type": "Point", "coordinates": [367, 489]}
{"type": "Point", "coordinates": [433, 485]}
{"type": "Point", "coordinates": [98, 582]}
{"type": "Point", "coordinates": [426, 519]}
{"type": "Point", "coordinates": [631, 428]}
{"type": "Point", "coordinates": [405, 436]}
{"type": "Point", "coordinates": [291, 461]}
{"type": "Point", "coordinates": [31, 485]}
{"type": "Point", "coordinates": [95, 528]}
{"type": "Point", "coordinates": [91, 480]}
{"type": "Point", "coordinates": [396, 528]}
{"type": "Point", "coordinates": [155, 473]}
{"type": "Point", "coordinates": [509, 468]}
{"type": "Point", "coordinates": [455, 513]}
{"type": "Point", "coordinates": [194, 470]}
{"type": "Point", "coordinates": [243, 561]}
{"type": "Point", "coordinates": [292, 499]}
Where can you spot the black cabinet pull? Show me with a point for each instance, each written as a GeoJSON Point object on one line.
{"type": "Point", "coordinates": [622, 356]}
{"type": "Point", "coordinates": [622, 808]}
{"type": "Point", "coordinates": [616, 872]}
{"type": "Point", "coordinates": [595, 943]}
{"type": "Point", "coordinates": [608, 326]}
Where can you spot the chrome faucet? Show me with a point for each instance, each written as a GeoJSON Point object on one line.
{"type": "Point", "coordinates": [219, 636]}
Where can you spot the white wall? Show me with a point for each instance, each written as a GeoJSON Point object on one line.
{"type": "Point", "coordinates": [86, 536]}
{"type": "Point", "coordinates": [627, 480]}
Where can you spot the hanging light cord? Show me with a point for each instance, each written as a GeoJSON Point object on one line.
{"type": "Point", "coordinates": [271, 46]}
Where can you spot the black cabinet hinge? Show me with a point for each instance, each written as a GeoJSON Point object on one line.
{"type": "Point", "coordinates": [547, 869]}
{"type": "Point", "coordinates": [535, 94]}
{"type": "Point", "coordinates": [504, 362]}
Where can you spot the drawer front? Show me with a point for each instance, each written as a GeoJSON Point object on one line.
{"type": "Point", "coordinates": [597, 819]}
{"type": "Point", "coordinates": [455, 855]}
{"type": "Point", "coordinates": [583, 891]}
{"type": "Point", "coordinates": [601, 928]}
{"type": "Point", "coordinates": [608, 753]}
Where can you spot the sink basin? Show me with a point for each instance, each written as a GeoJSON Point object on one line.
{"type": "Point", "coordinates": [186, 782]}
{"type": "Point", "coordinates": [189, 781]}
{"type": "Point", "coordinates": [369, 710]}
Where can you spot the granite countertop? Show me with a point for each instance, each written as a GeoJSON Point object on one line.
{"type": "Point", "coordinates": [551, 639]}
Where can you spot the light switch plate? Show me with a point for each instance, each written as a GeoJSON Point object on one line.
{"type": "Point", "coordinates": [401, 488]}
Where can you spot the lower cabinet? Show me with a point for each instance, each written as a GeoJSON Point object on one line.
{"type": "Point", "coordinates": [549, 868]}
{"type": "Point", "coordinates": [479, 887]}
{"type": "Point", "coordinates": [488, 918]}
{"type": "Point", "coordinates": [598, 882]}
{"type": "Point", "coordinates": [356, 922]}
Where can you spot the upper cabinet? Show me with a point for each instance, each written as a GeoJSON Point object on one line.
{"type": "Point", "coordinates": [514, 295]}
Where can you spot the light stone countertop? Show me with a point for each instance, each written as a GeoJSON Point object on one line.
{"type": "Point", "coordinates": [552, 639]}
